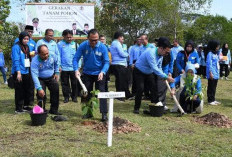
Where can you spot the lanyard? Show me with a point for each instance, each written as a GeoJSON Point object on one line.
{"type": "Point", "coordinates": [25, 50]}
{"type": "Point", "coordinates": [187, 56]}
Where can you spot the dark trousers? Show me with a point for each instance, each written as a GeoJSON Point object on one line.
{"type": "Point", "coordinates": [188, 105]}
{"type": "Point", "coordinates": [2, 69]}
{"type": "Point", "coordinates": [175, 70]}
{"type": "Point", "coordinates": [203, 70]}
{"type": "Point", "coordinates": [211, 91]}
{"type": "Point", "coordinates": [141, 79]}
{"type": "Point", "coordinates": [53, 87]}
{"type": "Point", "coordinates": [24, 91]}
{"type": "Point", "coordinates": [162, 90]}
{"type": "Point", "coordinates": [89, 80]}
{"type": "Point", "coordinates": [106, 81]}
{"type": "Point", "coordinates": [133, 83]}
{"type": "Point", "coordinates": [121, 79]}
{"type": "Point", "coordinates": [65, 83]}
{"type": "Point", "coordinates": [224, 67]}
{"type": "Point", "coordinates": [129, 74]}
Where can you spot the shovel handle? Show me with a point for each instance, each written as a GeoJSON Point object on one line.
{"type": "Point", "coordinates": [174, 97]}
{"type": "Point", "coordinates": [82, 85]}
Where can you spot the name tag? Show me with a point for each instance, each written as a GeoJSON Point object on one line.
{"type": "Point", "coordinates": [32, 45]}
{"type": "Point", "coordinates": [27, 63]}
{"type": "Point", "coordinates": [193, 57]}
{"type": "Point", "coordinates": [73, 46]}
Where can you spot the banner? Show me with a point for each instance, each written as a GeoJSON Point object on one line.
{"type": "Point", "coordinates": [60, 16]}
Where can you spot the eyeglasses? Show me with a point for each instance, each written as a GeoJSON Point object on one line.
{"type": "Point", "coordinates": [93, 40]}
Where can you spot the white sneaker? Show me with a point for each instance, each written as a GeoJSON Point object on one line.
{"type": "Point", "coordinates": [221, 78]}
{"type": "Point", "coordinates": [6, 82]}
{"type": "Point", "coordinates": [213, 103]}
{"type": "Point", "coordinates": [216, 102]}
{"type": "Point", "coordinates": [227, 78]}
{"type": "Point", "coordinates": [159, 104]}
{"type": "Point", "coordinates": [165, 108]}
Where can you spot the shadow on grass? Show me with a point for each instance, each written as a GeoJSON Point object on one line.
{"type": "Point", "coordinates": [7, 106]}
{"type": "Point", "coordinates": [226, 102]}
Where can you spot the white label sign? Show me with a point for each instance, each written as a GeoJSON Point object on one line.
{"type": "Point", "coordinates": [111, 95]}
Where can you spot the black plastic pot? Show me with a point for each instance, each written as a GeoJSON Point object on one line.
{"type": "Point", "coordinates": [38, 119]}
{"type": "Point", "coordinates": [156, 111]}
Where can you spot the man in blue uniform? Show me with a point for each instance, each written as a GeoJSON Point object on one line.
{"type": "Point", "coordinates": [45, 73]}
{"type": "Point", "coordinates": [51, 44]}
{"type": "Point", "coordinates": [147, 68]}
{"type": "Point", "coordinates": [67, 48]}
{"type": "Point", "coordinates": [96, 64]}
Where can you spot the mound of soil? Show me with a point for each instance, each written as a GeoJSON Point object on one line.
{"type": "Point", "coordinates": [215, 119]}
{"type": "Point", "coordinates": [119, 126]}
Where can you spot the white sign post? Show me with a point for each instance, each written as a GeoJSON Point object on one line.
{"type": "Point", "coordinates": [111, 96]}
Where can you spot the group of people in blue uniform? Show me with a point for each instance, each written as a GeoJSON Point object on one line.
{"type": "Point", "coordinates": [40, 65]}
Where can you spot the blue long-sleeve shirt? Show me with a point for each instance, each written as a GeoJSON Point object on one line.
{"type": "Point", "coordinates": [180, 60]}
{"type": "Point", "coordinates": [52, 47]}
{"type": "Point", "coordinates": [145, 47]}
{"type": "Point", "coordinates": [96, 60]}
{"type": "Point", "coordinates": [18, 60]}
{"type": "Point", "coordinates": [212, 65]}
{"type": "Point", "coordinates": [169, 67]}
{"type": "Point", "coordinates": [135, 52]}
{"type": "Point", "coordinates": [202, 59]}
{"type": "Point", "coordinates": [2, 60]}
{"type": "Point", "coordinates": [43, 68]}
{"type": "Point", "coordinates": [67, 52]}
{"type": "Point", "coordinates": [150, 62]}
{"type": "Point", "coordinates": [119, 56]}
{"type": "Point", "coordinates": [176, 50]}
{"type": "Point", "coordinates": [31, 43]}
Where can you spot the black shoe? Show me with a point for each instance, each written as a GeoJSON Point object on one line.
{"type": "Point", "coordinates": [66, 100]}
{"type": "Point", "coordinates": [19, 111]}
{"type": "Point", "coordinates": [136, 111]}
{"type": "Point", "coordinates": [74, 99]}
{"type": "Point", "coordinates": [55, 112]}
{"type": "Point", "coordinates": [104, 117]}
{"type": "Point", "coordinates": [27, 108]}
{"type": "Point", "coordinates": [87, 116]}
{"type": "Point", "coordinates": [121, 99]}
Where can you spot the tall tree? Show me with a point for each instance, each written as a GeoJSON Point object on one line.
{"type": "Point", "coordinates": [8, 31]}
{"type": "Point", "coordinates": [210, 27]}
{"type": "Point", "coordinates": [153, 17]}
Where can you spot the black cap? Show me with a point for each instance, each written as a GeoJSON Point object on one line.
{"type": "Point", "coordinates": [35, 20]}
{"type": "Point", "coordinates": [29, 27]}
{"type": "Point", "coordinates": [163, 42]}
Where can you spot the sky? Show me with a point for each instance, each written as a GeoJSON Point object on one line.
{"type": "Point", "coordinates": [218, 7]}
{"type": "Point", "coordinates": [222, 7]}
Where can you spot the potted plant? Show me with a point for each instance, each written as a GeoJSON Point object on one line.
{"type": "Point", "coordinates": [89, 107]}
{"type": "Point", "coordinates": [191, 90]}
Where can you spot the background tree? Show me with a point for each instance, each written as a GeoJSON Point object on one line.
{"type": "Point", "coordinates": [8, 31]}
{"type": "Point", "coordinates": [206, 28]}
{"type": "Point", "coordinates": [155, 18]}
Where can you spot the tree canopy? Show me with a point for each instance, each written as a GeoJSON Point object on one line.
{"type": "Point", "coordinates": [210, 27]}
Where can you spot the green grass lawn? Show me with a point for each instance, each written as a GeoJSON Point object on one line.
{"type": "Point", "coordinates": [165, 136]}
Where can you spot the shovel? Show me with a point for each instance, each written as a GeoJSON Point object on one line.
{"type": "Point", "coordinates": [175, 100]}
{"type": "Point", "coordinates": [85, 91]}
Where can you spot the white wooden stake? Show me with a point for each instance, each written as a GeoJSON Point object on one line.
{"type": "Point", "coordinates": [111, 95]}
{"type": "Point", "coordinates": [110, 123]}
